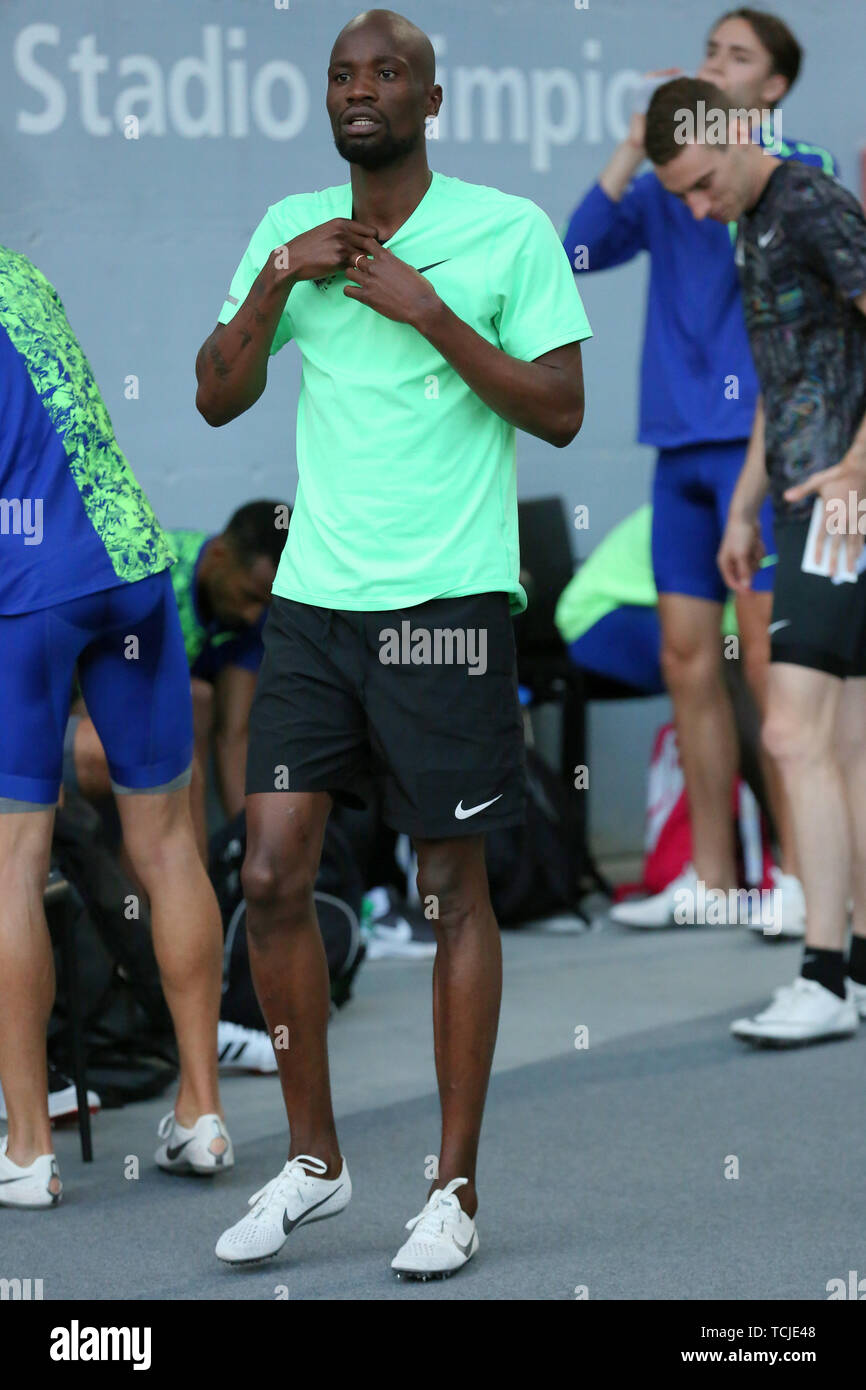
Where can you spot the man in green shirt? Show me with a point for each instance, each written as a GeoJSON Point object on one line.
{"type": "Point", "coordinates": [433, 318]}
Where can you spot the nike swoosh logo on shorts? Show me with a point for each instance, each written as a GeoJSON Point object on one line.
{"type": "Point", "coordinates": [462, 813]}
{"type": "Point", "coordinates": [766, 238]}
{"type": "Point", "coordinates": [422, 268]}
{"type": "Point", "coordinates": [289, 1226]}
{"type": "Point", "coordinates": [774, 627]}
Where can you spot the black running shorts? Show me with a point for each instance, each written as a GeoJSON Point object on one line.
{"type": "Point", "coordinates": [418, 704]}
{"type": "Point", "coordinates": [815, 622]}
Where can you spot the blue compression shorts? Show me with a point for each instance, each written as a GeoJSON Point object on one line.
{"type": "Point", "coordinates": [127, 645]}
{"type": "Point", "coordinates": [692, 493]}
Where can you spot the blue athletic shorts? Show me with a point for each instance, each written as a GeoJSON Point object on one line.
{"type": "Point", "coordinates": [127, 645]}
{"type": "Point", "coordinates": [692, 494]}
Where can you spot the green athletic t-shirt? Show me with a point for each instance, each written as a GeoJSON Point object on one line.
{"type": "Point", "coordinates": [407, 481]}
{"type": "Point", "coordinates": [618, 574]}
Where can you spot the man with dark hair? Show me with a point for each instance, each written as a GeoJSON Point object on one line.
{"type": "Point", "coordinates": [222, 585]}
{"type": "Point", "coordinates": [801, 255]}
{"type": "Point", "coordinates": [434, 318]}
{"type": "Point", "coordinates": [698, 395]}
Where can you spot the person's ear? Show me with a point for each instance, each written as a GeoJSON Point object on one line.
{"type": "Point", "coordinates": [775, 87]}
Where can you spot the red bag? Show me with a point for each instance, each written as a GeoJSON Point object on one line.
{"type": "Point", "coordinates": [668, 838]}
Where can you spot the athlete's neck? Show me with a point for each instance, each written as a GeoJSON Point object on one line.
{"type": "Point", "coordinates": [764, 166]}
{"type": "Point", "coordinates": [386, 198]}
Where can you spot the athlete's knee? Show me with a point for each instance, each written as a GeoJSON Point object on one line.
{"type": "Point", "coordinates": [690, 666]}
{"type": "Point", "coordinates": [788, 739]}
{"type": "Point", "coordinates": [452, 898]}
{"type": "Point", "coordinates": [25, 851]}
{"type": "Point", "coordinates": [158, 834]}
{"type": "Point", "coordinates": [280, 894]}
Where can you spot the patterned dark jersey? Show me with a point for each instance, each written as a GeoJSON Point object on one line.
{"type": "Point", "coordinates": [73, 519]}
{"type": "Point", "coordinates": [801, 254]}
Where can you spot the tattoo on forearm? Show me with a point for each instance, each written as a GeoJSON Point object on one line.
{"type": "Point", "coordinates": [220, 365]}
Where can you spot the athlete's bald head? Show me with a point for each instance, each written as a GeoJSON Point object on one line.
{"type": "Point", "coordinates": [401, 35]}
{"type": "Point", "coordinates": [381, 89]}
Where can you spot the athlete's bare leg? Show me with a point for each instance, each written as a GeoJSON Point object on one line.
{"type": "Point", "coordinates": [467, 989]}
{"type": "Point", "coordinates": [691, 662]}
{"type": "Point", "coordinates": [26, 980]}
{"type": "Point", "coordinates": [754, 611]}
{"type": "Point", "coordinates": [851, 754]}
{"type": "Point", "coordinates": [187, 936]}
{"type": "Point", "coordinates": [800, 732]}
{"type": "Point", "coordinates": [290, 971]}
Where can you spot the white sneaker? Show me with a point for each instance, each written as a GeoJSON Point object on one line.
{"type": "Point", "coordinates": [392, 927]}
{"type": "Point", "coordinates": [443, 1237]}
{"type": "Point", "coordinates": [296, 1195]}
{"type": "Point", "coordinates": [790, 921]}
{"type": "Point", "coordinates": [658, 911]}
{"type": "Point", "coordinates": [858, 994]}
{"type": "Point", "coordinates": [803, 1012]}
{"type": "Point", "coordinates": [206, 1148]}
{"type": "Point", "coordinates": [62, 1098]}
{"type": "Point", "coordinates": [38, 1185]}
{"type": "Point", "coordinates": [245, 1049]}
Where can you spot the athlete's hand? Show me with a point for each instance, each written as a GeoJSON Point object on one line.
{"type": "Point", "coordinates": [390, 286]}
{"type": "Point", "coordinates": [323, 250]}
{"type": "Point", "coordinates": [637, 133]}
{"type": "Point", "coordinates": [740, 553]}
{"type": "Point", "coordinates": [841, 488]}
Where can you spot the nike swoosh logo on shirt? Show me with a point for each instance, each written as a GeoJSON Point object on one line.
{"type": "Point", "coordinates": [289, 1226]}
{"type": "Point", "coordinates": [774, 627]}
{"type": "Point", "coordinates": [462, 813]}
{"type": "Point", "coordinates": [422, 268]}
{"type": "Point", "coordinates": [766, 238]}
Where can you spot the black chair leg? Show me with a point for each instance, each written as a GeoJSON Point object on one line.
{"type": "Point", "coordinates": [573, 755]}
{"type": "Point", "coordinates": [76, 1028]}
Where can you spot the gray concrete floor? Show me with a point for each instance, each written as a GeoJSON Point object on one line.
{"type": "Point", "coordinates": [601, 1166]}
